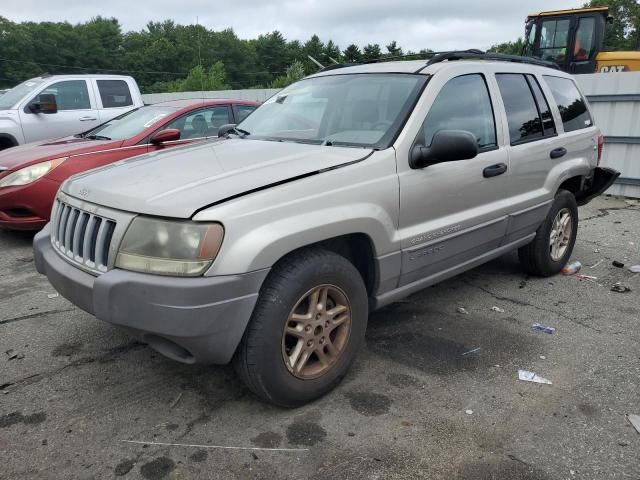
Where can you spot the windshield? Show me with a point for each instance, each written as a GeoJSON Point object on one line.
{"type": "Point", "coordinates": [130, 124]}
{"type": "Point", "coordinates": [361, 110]}
{"type": "Point", "coordinates": [13, 96]}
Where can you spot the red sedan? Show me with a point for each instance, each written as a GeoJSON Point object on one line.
{"type": "Point", "coordinates": [30, 175]}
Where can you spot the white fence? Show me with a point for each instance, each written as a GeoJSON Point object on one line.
{"type": "Point", "coordinates": [615, 101]}
{"type": "Point", "coordinates": [254, 95]}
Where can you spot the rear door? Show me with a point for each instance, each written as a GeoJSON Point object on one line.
{"type": "Point", "coordinates": [532, 138]}
{"type": "Point", "coordinates": [451, 213]}
{"type": "Point", "coordinates": [113, 96]}
{"type": "Point", "coordinates": [77, 111]}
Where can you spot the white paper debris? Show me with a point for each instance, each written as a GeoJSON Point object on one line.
{"type": "Point", "coordinates": [53, 295]}
{"type": "Point", "coordinates": [462, 310]}
{"type": "Point", "coordinates": [528, 376]}
{"type": "Point", "coordinates": [469, 412]}
{"type": "Point", "coordinates": [497, 309]}
{"type": "Point", "coordinates": [635, 421]}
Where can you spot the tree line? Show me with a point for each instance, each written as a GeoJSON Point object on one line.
{"type": "Point", "coordinates": [165, 56]}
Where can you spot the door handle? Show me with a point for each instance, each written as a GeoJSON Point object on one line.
{"type": "Point", "coordinates": [494, 170]}
{"type": "Point", "coordinates": [87, 119]}
{"type": "Point", "coordinates": [558, 152]}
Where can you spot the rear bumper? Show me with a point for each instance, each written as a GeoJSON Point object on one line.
{"type": "Point", "coordinates": [601, 179]}
{"type": "Point", "coordinates": [191, 320]}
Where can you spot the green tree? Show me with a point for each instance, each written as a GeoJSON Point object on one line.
{"type": "Point", "coordinates": [352, 54]}
{"type": "Point", "coordinates": [393, 49]}
{"type": "Point", "coordinates": [510, 48]}
{"type": "Point", "coordinates": [371, 52]}
{"type": "Point", "coordinates": [624, 32]}
{"type": "Point", "coordinates": [294, 73]}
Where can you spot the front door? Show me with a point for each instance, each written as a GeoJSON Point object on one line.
{"type": "Point", "coordinates": [453, 212]}
{"type": "Point", "coordinates": [77, 112]}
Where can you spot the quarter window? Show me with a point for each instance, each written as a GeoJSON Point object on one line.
{"type": "Point", "coordinates": [70, 94]}
{"type": "Point", "coordinates": [114, 93]}
{"type": "Point", "coordinates": [522, 115]}
{"type": "Point", "coordinates": [463, 104]}
{"type": "Point", "coordinates": [572, 106]}
{"type": "Point", "coordinates": [548, 124]}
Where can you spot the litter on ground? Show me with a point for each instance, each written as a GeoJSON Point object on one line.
{"type": "Point", "coordinates": [634, 268]}
{"type": "Point", "coordinates": [635, 421]}
{"type": "Point", "coordinates": [475, 350]}
{"type": "Point", "coordinates": [53, 295]}
{"type": "Point", "coordinates": [497, 309]}
{"type": "Point", "coordinates": [571, 268]}
{"type": "Point", "coordinates": [543, 328]}
{"type": "Point", "coordinates": [620, 288]}
{"type": "Point", "coordinates": [527, 376]}
{"type": "Point", "coordinates": [462, 310]}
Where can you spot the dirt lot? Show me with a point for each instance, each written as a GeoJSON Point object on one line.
{"type": "Point", "coordinates": [73, 389]}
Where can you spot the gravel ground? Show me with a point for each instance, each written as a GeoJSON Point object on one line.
{"type": "Point", "coordinates": [73, 390]}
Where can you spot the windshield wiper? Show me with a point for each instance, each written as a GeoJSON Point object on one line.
{"type": "Point", "coordinates": [97, 137]}
{"type": "Point", "coordinates": [240, 132]}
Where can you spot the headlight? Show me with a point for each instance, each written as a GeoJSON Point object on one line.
{"type": "Point", "coordinates": [184, 249]}
{"type": "Point", "coordinates": [31, 173]}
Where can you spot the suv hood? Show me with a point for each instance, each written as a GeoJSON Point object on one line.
{"type": "Point", "coordinates": [178, 182]}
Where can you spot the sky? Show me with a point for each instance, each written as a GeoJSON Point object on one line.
{"type": "Point", "coordinates": [414, 24]}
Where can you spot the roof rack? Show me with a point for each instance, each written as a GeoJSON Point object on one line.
{"type": "Point", "coordinates": [480, 55]}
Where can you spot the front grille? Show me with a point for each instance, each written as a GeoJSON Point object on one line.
{"type": "Point", "coordinates": [81, 236]}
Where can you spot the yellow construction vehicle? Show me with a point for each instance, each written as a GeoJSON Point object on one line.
{"type": "Point", "coordinates": [574, 39]}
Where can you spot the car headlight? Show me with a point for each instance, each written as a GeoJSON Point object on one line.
{"type": "Point", "coordinates": [31, 173]}
{"type": "Point", "coordinates": [167, 247]}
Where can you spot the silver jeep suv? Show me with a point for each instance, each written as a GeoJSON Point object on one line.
{"type": "Point", "coordinates": [345, 192]}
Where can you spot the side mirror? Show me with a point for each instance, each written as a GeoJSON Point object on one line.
{"type": "Point", "coordinates": [224, 130]}
{"type": "Point", "coordinates": [46, 103]}
{"type": "Point", "coordinates": [166, 135]}
{"type": "Point", "coordinates": [446, 146]}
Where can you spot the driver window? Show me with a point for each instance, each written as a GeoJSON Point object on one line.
{"type": "Point", "coordinates": [554, 35]}
{"type": "Point", "coordinates": [70, 95]}
{"type": "Point", "coordinates": [463, 104]}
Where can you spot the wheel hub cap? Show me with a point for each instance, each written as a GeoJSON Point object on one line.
{"type": "Point", "coordinates": [316, 332]}
{"type": "Point", "coordinates": [560, 236]}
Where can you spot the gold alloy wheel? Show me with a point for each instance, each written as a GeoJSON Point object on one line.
{"type": "Point", "coordinates": [560, 236]}
{"type": "Point", "coordinates": [316, 332]}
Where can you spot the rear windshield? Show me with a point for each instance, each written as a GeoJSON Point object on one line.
{"type": "Point", "coordinates": [359, 110]}
{"type": "Point", "coordinates": [131, 123]}
{"type": "Point", "coordinates": [13, 96]}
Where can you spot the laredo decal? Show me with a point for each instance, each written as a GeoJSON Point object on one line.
{"type": "Point", "coordinates": [430, 236]}
{"type": "Point", "coordinates": [425, 251]}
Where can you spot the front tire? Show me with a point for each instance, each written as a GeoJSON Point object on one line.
{"type": "Point", "coordinates": [306, 329]}
{"type": "Point", "coordinates": [550, 250]}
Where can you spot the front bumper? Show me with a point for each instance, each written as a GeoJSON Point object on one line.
{"type": "Point", "coordinates": [33, 200]}
{"type": "Point", "coordinates": [191, 320]}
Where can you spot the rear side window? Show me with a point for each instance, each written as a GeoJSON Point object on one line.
{"type": "Point", "coordinates": [243, 111]}
{"type": "Point", "coordinates": [114, 93]}
{"type": "Point", "coordinates": [463, 104]}
{"type": "Point", "coordinates": [522, 115]}
{"type": "Point", "coordinates": [573, 108]}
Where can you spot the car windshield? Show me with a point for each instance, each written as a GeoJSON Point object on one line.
{"type": "Point", "coordinates": [17, 93]}
{"type": "Point", "coordinates": [360, 110]}
{"type": "Point", "coordinates": [130, 124]}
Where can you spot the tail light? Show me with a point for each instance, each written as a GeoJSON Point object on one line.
{"type": "Point", "coordinates": [600, 146]}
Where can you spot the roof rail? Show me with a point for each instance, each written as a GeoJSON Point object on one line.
{"type": "Point", "coordinates": [480, 55]}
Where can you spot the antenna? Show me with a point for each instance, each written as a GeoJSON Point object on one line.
{"type": "Point", "coordinates": [315, 61]}
{"type": "Point", "coordinates": [200, 61]}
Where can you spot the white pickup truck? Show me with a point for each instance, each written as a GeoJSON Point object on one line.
{"type": "Point", "coordinates": [58, 105]}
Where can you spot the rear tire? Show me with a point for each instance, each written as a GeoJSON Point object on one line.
{"type": "Point", "coordinates": [306, 329]}
{"type": "Point", "coordinates": [550, 250]}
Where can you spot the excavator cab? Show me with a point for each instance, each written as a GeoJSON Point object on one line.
{"type": "Point", "coordinates": [570, 38]}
